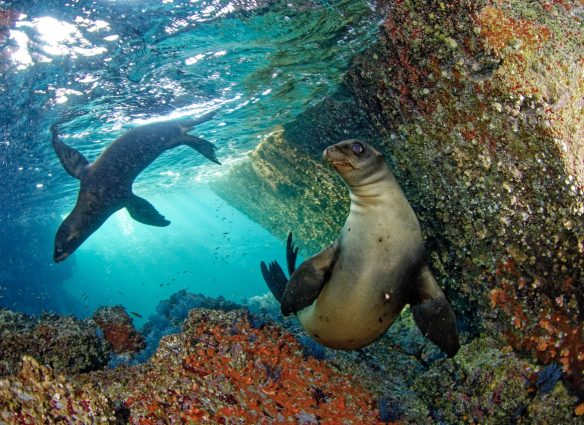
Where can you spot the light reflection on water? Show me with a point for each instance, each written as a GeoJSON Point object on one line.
{"type": "Point", "coordinates": [102, 67]}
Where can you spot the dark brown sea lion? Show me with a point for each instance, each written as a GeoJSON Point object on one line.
{"type": "Point", "coordinates": [106, 185]}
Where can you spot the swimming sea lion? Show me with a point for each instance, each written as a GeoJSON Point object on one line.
{"type": "Point", "coordinates": [106, 185]}
{"type": "Point", "coordinates": [348, 295]}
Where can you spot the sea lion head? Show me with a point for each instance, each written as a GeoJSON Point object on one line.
{"type": "Point", "coordinates": [67, 241]}
{"type": "Point", "coordinates": [85, 219]}
{"type": "Point", "coordinates": [357, 162]}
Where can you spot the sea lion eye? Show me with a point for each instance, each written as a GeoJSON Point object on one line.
{"type": "Point", "coordinates": [357, 148]}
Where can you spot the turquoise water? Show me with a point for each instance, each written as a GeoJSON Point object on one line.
{"type": "Point", "coordinates": [209, 248]}
{"type": "Point", "coordinates": [102, 67]}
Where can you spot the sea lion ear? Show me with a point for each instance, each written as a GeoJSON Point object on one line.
{"type": "Point", "coordinates": [380, 155]}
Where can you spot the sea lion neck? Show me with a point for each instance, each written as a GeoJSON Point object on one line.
{"type": "Point", "coordinates": [373, 185]}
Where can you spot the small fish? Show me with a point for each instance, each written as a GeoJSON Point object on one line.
{"type": "Point", "coordinates": [136, 314]}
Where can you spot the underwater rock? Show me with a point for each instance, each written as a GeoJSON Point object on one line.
{"type": "Point", "coordinates": [238, 371]}
{"type": "Point", "coordinates": [488, 384]}
{"type": "Point", "coordinates": [285, 185]}
{"type": "Point", "coordinates": [118, 330]}
{"type": "Point", "coordinates": [480, 105]}
{"type": "Point", "coordinates": [222, 369]}
{"type": "Point", "coordinates": [387, 368]}
{"type": "Point", "coordinates": [65, 343]}
{"type": "Point", "coordinates": [37, 395]}
{"type": "Point", "coordinates": [283, 189]}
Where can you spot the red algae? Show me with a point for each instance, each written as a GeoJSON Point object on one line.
{"type": "Point", "coordinates": [118, 329]}
{"type": "Point", "coordinates": [555, 337]}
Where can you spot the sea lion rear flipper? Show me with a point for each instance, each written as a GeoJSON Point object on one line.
{"type": "Point", "coordinates": [274, 275]}
{"type": "Point", "coordinates": [308, 279]}
{"type": "Point", "coordinates": [141, 210]}
{"type": "Point", "coordinates": [73, 162]}
{"type": "Point", "coordinates": [204, 147]}
{"type": "Point", "coordinates": [291, 254]}
{"type": "Point", "coordinates": [275, 278]}
{"type": "Point", "coordinates": [433, 313]}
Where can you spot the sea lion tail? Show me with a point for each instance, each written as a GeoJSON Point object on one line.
{"type": "Point", "coordinates": [275, 278]}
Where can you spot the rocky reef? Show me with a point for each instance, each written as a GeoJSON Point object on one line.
{"type": "Point", "coordinates": [234, 367]}
{"type": "Point", "coordinates": [64, 343]}
{"type": "Point", "coordinates": [478, 106]}
{"type": "Point", "coordinates": [220, 369]}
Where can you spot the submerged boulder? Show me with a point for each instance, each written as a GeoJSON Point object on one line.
{"type": "Point", "coordinates": [118, 330]}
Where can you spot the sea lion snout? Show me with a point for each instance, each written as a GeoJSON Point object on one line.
{"type": "Point", "coordinates": [337, 159]}
{"type": "Point", "coordinates": [58, 257]}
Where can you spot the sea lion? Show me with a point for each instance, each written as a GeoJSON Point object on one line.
{"type": "Point", "coordinates": [348, 295]}
{"type": "Point", "coordinates": [106, 185]}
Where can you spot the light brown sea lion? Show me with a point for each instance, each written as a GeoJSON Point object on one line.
{"type": "Point", "coordinates": [348, 295]}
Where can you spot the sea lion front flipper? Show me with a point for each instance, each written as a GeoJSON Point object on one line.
{"type": "Point", "coordinates": [308, 279]}
{"type": "Point", "coordinates": [72, 160]}
{"type": "Point", "coordinates": [433, 313]}
{"type": "Point", "coordinates": [204, 147]}
{"type": "Point", "coordinates": [141, 210]}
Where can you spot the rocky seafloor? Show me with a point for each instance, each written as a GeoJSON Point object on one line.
{"type": "Point", "coordinates": [233, 364]}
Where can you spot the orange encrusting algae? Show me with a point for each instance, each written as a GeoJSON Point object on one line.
{"type": "Point", "coordinates": [554, 338]}
{"type": "Point", "coordinates": [239, 374]}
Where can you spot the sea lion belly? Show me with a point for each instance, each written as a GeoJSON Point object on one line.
{"type": "Point", "coordinates": [369, 283]}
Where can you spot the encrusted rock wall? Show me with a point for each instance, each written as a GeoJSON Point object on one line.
{"type": "Point", "coordinates": [480, 107]}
